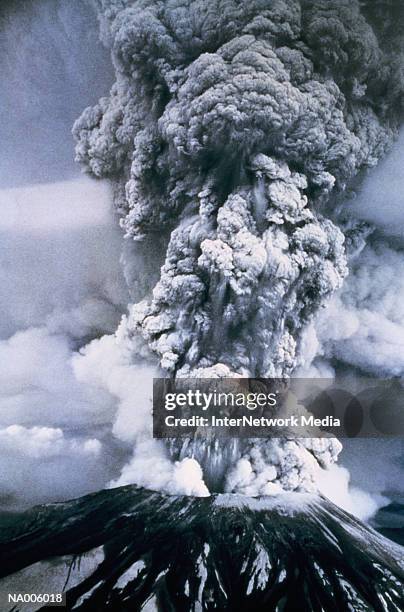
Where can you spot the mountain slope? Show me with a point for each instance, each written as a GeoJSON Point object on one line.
{"type": "Point", "coordinates": [225, 552]}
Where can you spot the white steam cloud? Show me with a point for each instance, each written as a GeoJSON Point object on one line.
{"type": "Point", "coordinates": [362, 326]}
{"type": "Point", "coordinates": [363, 323]}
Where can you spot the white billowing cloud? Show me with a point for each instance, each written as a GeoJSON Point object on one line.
{"type": "Point", "coordinates": [60, 276]}
{"type": "Point", "coordinates": [72, 416]}
{"type": "Point", "coordinates": [150, 467]}
{"type": "Point", "coordinates": [107, 364]}
{"type": "Point", "coordinates": [43, 442]}
{"type": "Point", "coordinates": [363, 325]}
{"type": "Point", "coordinates": [38, 385]}
{"type": "Point", "coordinates": [334, 483]}
{"type": "Point", "coordinates": [62, 284]}
{"type": "Point", "coordinates": [40, 463]}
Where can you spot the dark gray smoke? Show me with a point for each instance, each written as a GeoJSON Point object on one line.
{"type": "Point", "coordinates": [231, 123]}
{"type": "Point", "coordinates": [232, 128]}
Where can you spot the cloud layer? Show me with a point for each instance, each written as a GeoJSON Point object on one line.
{"type": "Point", "coordinates": [61, 286]}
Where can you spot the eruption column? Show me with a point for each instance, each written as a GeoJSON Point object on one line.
{"type": "Point", "coordinates": [230, 129]}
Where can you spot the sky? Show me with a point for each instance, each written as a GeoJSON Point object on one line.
{"type": "Point", "coordinates": [60, 272]}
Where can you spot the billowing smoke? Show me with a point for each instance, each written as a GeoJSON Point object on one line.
{"type": "Point", "coordinates": [229, 120]}
{"type": "Point", "coordinates": [232, 129]}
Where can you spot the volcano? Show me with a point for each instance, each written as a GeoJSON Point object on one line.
{"type": "Point", "coordinates": [143, 550]}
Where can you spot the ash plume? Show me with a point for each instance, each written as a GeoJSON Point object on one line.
{"type": "Point", "coordinates": [232, 129]}
{"type": "Point", "coordinates": [231, 124]}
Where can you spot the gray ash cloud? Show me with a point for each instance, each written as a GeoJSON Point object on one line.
{"type": "Point", "coordinates": [231, 125]}
{"type": "Point", "coordinates": [231, 131]}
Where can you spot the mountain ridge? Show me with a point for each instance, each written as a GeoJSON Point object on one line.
{"type": "Point", "coordinates": [224, 552]}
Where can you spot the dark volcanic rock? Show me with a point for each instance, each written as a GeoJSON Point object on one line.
{"type": "Point", "coordinates": [224, 552]}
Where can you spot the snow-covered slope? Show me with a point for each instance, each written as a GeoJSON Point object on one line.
{"type": "Point", "coordinates": [225, 552]}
